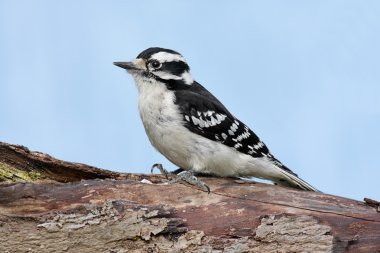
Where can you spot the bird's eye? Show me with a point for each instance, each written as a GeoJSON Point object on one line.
{"type": "Point", "coordinates": [155, 64]}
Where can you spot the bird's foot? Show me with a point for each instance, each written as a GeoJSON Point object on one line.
{"type": "Point", "coordinates": [161, 168]}
{"type": "Point", "coordinates": [181, 174]}
{"type": "Point", "coordinates": [163, 171]}
{"type": "Point", "coordinates": [188, 176]}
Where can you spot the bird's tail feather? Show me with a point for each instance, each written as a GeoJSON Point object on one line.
{"type": "Point", "coordinates": [293, 180]}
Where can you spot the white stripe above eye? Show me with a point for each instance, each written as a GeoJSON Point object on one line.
{"type": "Point", "coordinates": [167, 57]}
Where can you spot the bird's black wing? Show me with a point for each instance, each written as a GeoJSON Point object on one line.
{"type": "Point", "coordinates": [206, 116]}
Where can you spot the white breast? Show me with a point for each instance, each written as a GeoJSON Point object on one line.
{"type": "Point", "coordinates": [162, 121]}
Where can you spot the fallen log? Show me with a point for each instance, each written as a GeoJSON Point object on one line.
{"type": "Point", "coordinates": [71, 207]}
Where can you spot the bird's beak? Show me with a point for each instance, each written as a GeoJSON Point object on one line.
{"type": "Point", "coordinates": [135, 65]}
{"type": "Point", "coordinates": [126, 65]}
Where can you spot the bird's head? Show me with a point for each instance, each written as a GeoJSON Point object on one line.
{"type": "Point", "coordinates": [157, 64]}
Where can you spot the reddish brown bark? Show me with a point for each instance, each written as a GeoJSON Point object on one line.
{"type": "Point", "coordinates": [116, 212]}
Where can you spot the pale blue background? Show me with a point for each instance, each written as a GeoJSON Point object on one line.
{"type": "Point", "coordinates": [305, 75]}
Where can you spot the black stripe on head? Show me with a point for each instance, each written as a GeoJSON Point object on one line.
{"type": "Point", "coordinates": [175, 67]}
{"type": "Point", "coordinates": [147, 53]}
{"type": "Point", "coordinates": [172, 84]}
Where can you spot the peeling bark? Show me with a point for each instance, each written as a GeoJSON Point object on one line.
{"type": "Point", "coordinates": [94, 210]}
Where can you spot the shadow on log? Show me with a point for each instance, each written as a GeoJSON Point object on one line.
{"type": "Point", "coordinates": [73, 207]}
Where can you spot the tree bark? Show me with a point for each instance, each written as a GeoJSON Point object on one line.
{"type": "Point", "coordinates": [71, 207]}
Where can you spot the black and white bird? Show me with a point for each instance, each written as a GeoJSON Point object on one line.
{"type": "Point", "coordinates": [193, 129]}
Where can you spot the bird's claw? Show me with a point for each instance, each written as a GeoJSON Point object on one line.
{"type": "Point", "coordinates": [188, 176]}
{"type": "Point", "coordinates": [162, 170]}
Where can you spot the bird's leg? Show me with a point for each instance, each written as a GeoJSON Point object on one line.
{"type": "Point", "coordinates": [188, 176]}
{"type": "Point", "coordinates": [177, 171]}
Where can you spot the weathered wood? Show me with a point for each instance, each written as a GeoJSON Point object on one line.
{"type": "Point", "coordinates": [134, 215]}
{"type": "Point", "coordinates": [18, 163]}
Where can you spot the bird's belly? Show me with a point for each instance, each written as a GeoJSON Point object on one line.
{"type": "Point", "coordinates": [193, 152]}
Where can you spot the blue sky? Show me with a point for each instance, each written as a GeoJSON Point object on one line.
{"type": "Point", "coordinates": [304, 75]}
